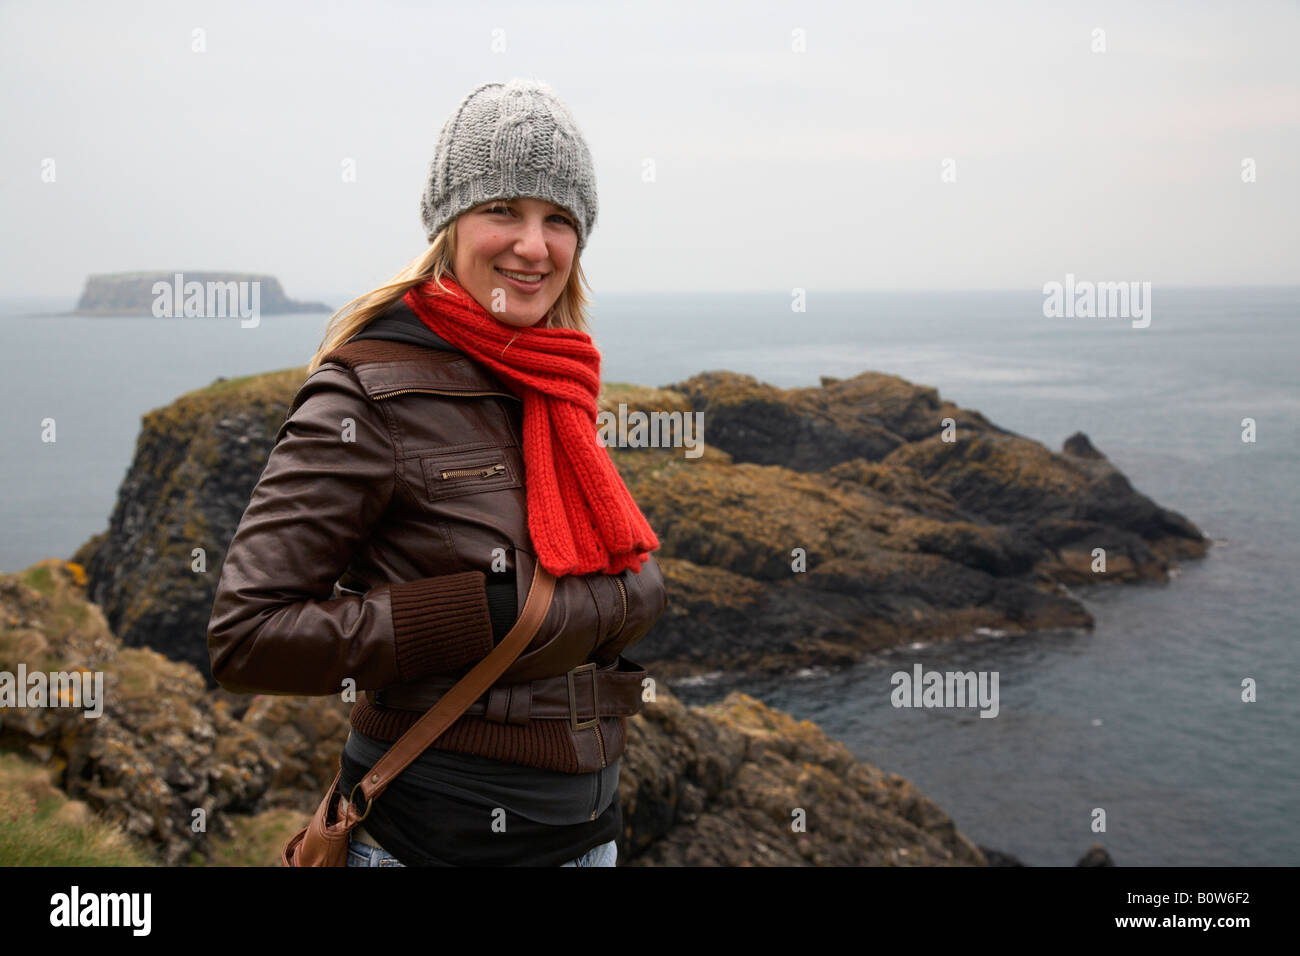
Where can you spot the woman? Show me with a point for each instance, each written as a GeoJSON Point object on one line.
{"type": "Point", "coordinates": [396, 485]}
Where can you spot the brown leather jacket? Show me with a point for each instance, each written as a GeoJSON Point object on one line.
{"type": "Point", "coordinates": [394, 488]}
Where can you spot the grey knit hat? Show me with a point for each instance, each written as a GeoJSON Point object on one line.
{"type": "Point", "coordinates": [507, 140]}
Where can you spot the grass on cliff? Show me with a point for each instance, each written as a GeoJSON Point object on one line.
{"type": "Point", "coordinates": [275, 378]}
{"type": "Point", "coordinates": [40, 826]}
{"type": "Point", "coordinates": [66, 615]}
{"type": "Point", "coordinates": [275, 386]}
{"type": "Point", "coordinates": [258, 839]}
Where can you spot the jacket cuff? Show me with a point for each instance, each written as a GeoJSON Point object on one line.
{"type": "Point", "coordinates": [440, 624]}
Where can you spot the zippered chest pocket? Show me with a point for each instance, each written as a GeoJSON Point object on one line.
{"type": "Point", "coordinates": [469, 472]}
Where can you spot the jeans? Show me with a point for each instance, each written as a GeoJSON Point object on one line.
{"type": "Point", "coordinates": [604, 855]}
{"type": "Point", "coordinates": [363, 854]}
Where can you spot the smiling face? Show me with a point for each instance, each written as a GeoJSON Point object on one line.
{"type": "Point", "coordinates": [501, 239]}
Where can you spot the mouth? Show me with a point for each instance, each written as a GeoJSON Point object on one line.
{"type": "Point", "coordinates": [523, 278]}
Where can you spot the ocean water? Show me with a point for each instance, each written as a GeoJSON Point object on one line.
{"type": "Point", "coordinates": [1141, 717]}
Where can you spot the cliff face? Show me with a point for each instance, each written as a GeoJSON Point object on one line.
{"type": "Point", "coordinates": [154, 570]}
{"type": "Point", "coordinates": [910, 530]}
{"type": "Point", "coordinates": [738, 783]}
{"type": "Point", "coordinates": [906, 533]}
{"type": "Point", "coordinates": [132, 293]}
{"type": "Point", "coordinates": [734, 783]}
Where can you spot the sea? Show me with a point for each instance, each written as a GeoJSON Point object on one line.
{"type": "Point", "coordinates": [1134, 735]}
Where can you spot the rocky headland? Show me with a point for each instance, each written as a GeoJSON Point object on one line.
{"type": "Point", "coordinates": [905, 535]}
{"type": "Point", "coordinates": [713, 785]}
{"type": "Point", "coordinates": [818, 524]}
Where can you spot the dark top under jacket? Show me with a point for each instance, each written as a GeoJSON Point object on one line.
{"type": "Point", "coordinates": [439, 811]}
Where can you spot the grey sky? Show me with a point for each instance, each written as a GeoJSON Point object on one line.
{"type": "Point", "coordinates": [773, 169]}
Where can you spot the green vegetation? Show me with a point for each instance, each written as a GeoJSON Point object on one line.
{"type": "Point", "coordinates": [258, 840]}
{"type": "Point", "coordinates": [38, 578]}
{"type": "Point", "coordinates": [40, 826]}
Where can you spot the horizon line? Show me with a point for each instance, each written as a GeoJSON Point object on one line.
{"type": "Point", "coordinates": [837, 291]}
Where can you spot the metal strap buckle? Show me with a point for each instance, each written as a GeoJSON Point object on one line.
{"type": "Point", "coordinates": [352, 801]}
{"type": "Point", "coordinates": [574, 722]}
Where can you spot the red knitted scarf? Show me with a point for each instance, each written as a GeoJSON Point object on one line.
{"type": "Point", "coordinates": [581, 516]}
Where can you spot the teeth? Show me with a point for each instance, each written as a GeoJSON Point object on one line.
{"type": "Point", "coordinates": [521, 276]}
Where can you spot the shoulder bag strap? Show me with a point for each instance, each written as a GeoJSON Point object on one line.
{"type": "Point", "coordinates": [468, 689]}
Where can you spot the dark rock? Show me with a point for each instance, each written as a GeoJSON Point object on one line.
{"type": "Point", "coordinates": [1079, 446]}
{"type": "Point", "coordinates": [1095, 855]}
{"type": "Point", "coordinates": [737, 783]}
{"type": "Point", "coordinates": [998, 858]}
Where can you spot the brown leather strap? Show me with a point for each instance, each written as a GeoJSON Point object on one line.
{"type": "Point", "coordinates": [454, 703]}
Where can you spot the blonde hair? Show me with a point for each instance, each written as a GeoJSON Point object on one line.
{"type": "Point", "coordinates": [568, 312]}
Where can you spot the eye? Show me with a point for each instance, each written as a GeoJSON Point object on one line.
{"type": "Point", "coordinates": [506, 209]}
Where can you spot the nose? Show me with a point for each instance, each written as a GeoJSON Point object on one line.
{"type": "Point", "coordinates": [531, 242]}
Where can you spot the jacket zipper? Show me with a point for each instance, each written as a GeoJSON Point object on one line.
{"type": "Point", "coordinates": [623, 591]}
{"type": "Point", "coordinates": [481, 472]}
{"type": "Point", "coordinates": [439, 391]}
{"type": "Point", "coordinates": [596, 806]}
{"type": "Point", "coordinates": [460, 472]}
{"type": "Point", "coordinates": [600, 738]}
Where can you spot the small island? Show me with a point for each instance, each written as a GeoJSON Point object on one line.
{"type": "Point", "coordinates": [165, 294]}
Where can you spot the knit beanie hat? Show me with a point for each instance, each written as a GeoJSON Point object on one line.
{"type": "Point", "coordinates": [507, 140]}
